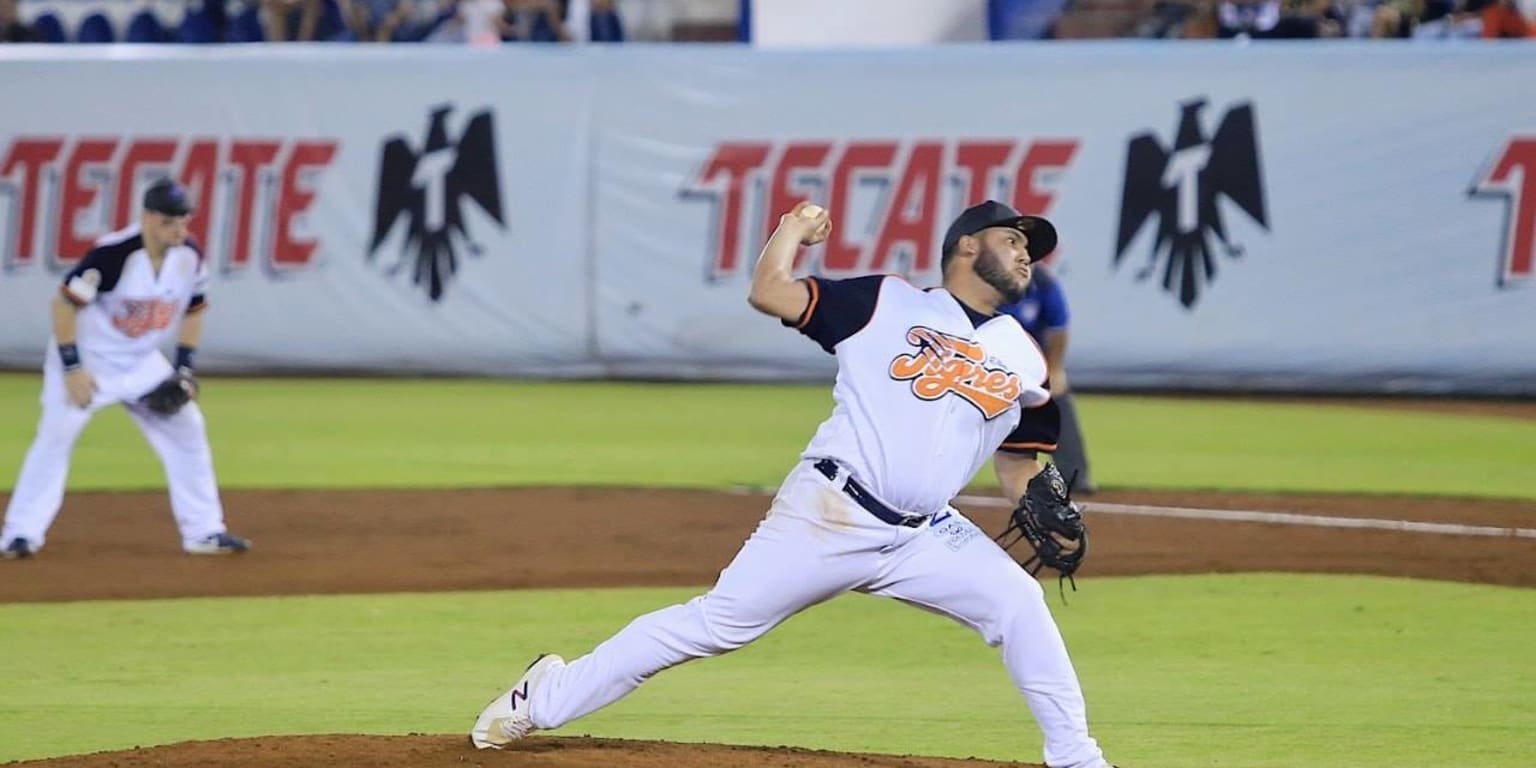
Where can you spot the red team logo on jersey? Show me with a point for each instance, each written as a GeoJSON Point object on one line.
{"type": "Point", "coordinates": [140, 316]}
{"type": "Point", "coordinates": [945, 364]}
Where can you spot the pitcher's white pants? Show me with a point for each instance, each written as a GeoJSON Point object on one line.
{"type": "Point", "coordinates": [815, 544]}
{"type": "Point", "coordinates": [181, 442]}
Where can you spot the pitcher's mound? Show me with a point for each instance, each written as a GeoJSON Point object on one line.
{"type": "Point", "coordinates": [419, 751]}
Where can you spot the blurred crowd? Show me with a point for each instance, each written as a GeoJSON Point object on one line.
{"type": "Point", "coordinates": [476, 22]}
{"type": "Point", "coordinates": [492, 22]}
{"type": "Point", "coordinates": [1302, 19]}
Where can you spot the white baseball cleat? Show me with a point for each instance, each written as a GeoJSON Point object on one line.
{"type": "Point", "coordinates": [506, 718]}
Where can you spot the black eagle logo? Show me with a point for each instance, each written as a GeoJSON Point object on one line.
{"type": "Point", "coordinates": [1182, 187]}
{"type": "Point", "coordinates": [430, 186]}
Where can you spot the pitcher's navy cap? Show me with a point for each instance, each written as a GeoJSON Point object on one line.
{"type": "Point", "coordinates": [1041, 233]}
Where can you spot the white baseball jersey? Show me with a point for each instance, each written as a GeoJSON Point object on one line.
{"type": "Point", "coordinates": [126, 307]}
{"type": "Point", "coordinates": [927, 388]}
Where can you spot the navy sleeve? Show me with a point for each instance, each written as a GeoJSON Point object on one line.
{"type": "Point", "coordinates": [838, 308]}
{"type": "Point", "coordinates": [97, 273]}
{"type": "Point", "coordinates": [1037, 431]}
{"type": "Point", "coordinates": [1053, 307]}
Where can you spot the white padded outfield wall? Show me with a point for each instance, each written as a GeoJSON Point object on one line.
{"type": "Point", "coordinates": [1335, 216]}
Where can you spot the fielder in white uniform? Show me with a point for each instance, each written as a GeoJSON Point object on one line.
{"type": "Point", "coordinates": [110, 319]}
{"type": "Point", "coordinates": [930, 385]}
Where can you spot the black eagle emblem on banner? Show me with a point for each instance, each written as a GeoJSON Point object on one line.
{"type": "Point", "coordinates": [1181, 186]}
{"type": "Point", "coordinates": [429, 187]}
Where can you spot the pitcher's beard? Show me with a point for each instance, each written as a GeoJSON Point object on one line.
{"type": "Point", "coordinates": [992, 272]}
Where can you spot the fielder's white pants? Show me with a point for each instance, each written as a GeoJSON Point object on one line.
{"type": "Point", "coordinates": [181, 442]}
{"type": "Point", "coordinates": [815, 544]}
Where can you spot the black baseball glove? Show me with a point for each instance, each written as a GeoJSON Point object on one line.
{"type": "Point", "coordinates": [1047, 509]}
{"type": "Point", "coordinates": [171, 395]}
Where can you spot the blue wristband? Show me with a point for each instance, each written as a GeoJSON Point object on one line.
{"type": "Point", "coordinates": [184, 355]}
{"type": "Point", "coordinates": [70, 355]}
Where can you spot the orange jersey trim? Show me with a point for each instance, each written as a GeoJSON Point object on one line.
{"type": "Point", "coordinates": [810, 309]}
{"type": "Point", "coordinates": [1047, 447]}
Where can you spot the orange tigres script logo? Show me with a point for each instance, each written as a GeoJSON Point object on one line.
{"type": "Point", "coordinates": [140, 316]}
{"type": "Point", "coordinates": [943, 364]}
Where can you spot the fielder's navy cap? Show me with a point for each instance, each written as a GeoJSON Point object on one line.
{"type": "Point", "coordinates": [167, 197]}
{"type": "Point", "coordinates": [1041, 233]}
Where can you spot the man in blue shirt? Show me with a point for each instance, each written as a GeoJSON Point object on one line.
{"type": "Point", "coordinates": [1043, 313]}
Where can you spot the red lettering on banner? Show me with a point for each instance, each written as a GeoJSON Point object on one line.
{"type": "Point", "coordinates": [839, 256]}
{"type": "Point", "coordinates": [1513, 176]}
{"type": "Point", "coordinates": [30, 155]}
{"type": "Point", "coordinates": [140, 152]}
{"type": "Point", "coordinates": [78, 197]}
{"type": "Point", "coordinates": [783, 192]}
{"type": "Point", "coordinates": [911, 219]}
{"type": "Point", "coordinates": [250, 157]}
{"type": "Point", "coordinates": [94, 165]}
{"type": "Point", "coordinates": [1042, 155]}
{"type": "Point", "coordinates": [199, 171]}
{"type": "Point", "coordinates": [979, 160]}
{"type": "Point", "coordinates": [915, 206]}
{"type": "Point", "coordinates": [735, 161]}
{"type": "Point", "coordinates": [288, 251]}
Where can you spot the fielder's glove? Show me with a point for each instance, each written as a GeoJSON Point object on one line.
{"type": "Point", "coordinates": [172, 394]}
{"type": "Point", "coordinates": [1047, 509]}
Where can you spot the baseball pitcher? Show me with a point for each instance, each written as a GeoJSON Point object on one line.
{"type": "Point", "coordinates": [930, 385]}
{"type": "Point", "coordinates": [110, 318]}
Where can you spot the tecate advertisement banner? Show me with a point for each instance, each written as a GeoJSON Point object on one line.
{"type": "Point", "coordinates": [367, 212]}
{"type": "Point", "coordinates": [1330, 217]}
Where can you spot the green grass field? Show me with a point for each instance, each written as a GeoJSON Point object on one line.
{"type": "Point", "coordinates": [1239, 672]}
{"type": "Point", "coordinates": [385, 433]}
{"type": "Point", "coordinates": [1228, 671]}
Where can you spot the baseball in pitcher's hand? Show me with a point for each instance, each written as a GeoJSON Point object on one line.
{"type": "Point", "coordinates": [809, 227]}
{"type": "Point", "coordinates": [80, 386]}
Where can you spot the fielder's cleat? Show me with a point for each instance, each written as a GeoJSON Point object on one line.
{"type": "Point", "coordinates": [18, 549]}
{"type": "Point", "coordinates": [219, 544]}
{"type": "Point", "coordinates": [506, 718]}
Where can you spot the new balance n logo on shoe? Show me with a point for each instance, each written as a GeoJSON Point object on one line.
{"type": "Point", "coordinates": [519, 694]}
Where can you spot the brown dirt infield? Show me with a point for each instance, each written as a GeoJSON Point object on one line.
{"type": "Point", "coordinates": [436, 751]}
{"type": "Point", "coordinates": [123, 545]}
